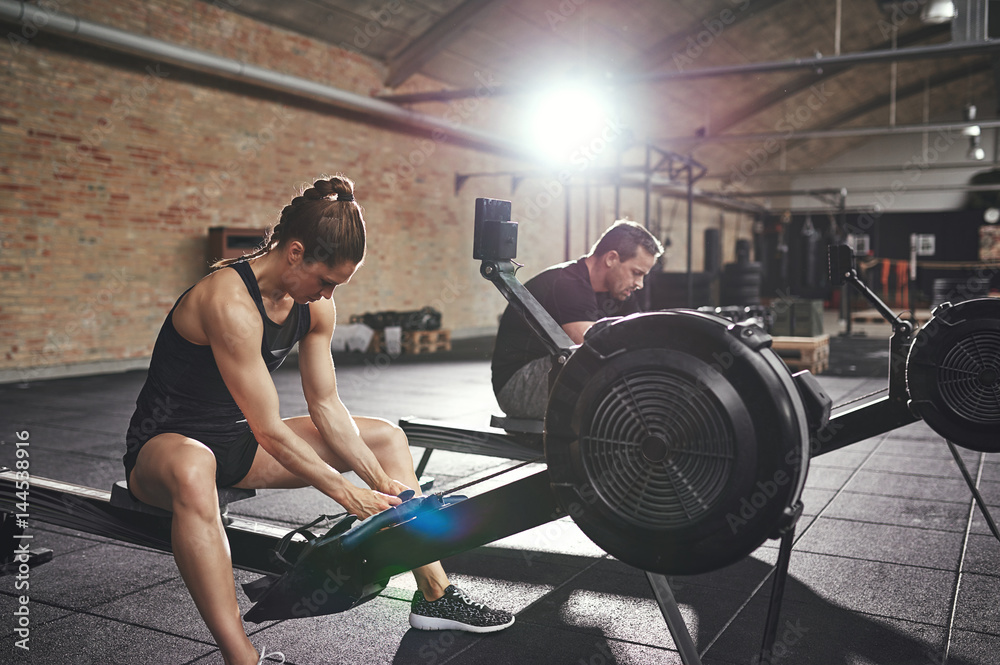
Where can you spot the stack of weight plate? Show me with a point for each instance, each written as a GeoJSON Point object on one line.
{"type": "Point", "coordinates": [741, 284]}
{"type": "Point", "coordinates": [959, 289]}
{"type": "Point", "coordinates": [669, 289]}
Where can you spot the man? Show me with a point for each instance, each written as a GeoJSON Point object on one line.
{"type": "Point", "coordinates": [576, 294]}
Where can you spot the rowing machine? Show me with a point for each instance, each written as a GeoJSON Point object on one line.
{"type": "Point", "coordinates": [677, 440]}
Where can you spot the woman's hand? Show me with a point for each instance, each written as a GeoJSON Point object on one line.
{"type": "Point", "coordinates": [364, 502]}
{"type": "Point", "coordinates": [393, 487]}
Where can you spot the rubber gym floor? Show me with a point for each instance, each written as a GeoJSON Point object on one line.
{"type": "Point", "coordinates": [892, 561]}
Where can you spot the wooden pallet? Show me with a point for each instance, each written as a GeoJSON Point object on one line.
{"type": "Point", "coordinates": [414, 342]}
{"type": "Point", "coordinates": [811, 353]}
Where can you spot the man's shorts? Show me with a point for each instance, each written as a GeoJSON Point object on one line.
{"type": "Point", "coordinates": [233, 458]}
{"type": "Point", "coordinates": [526, 394]}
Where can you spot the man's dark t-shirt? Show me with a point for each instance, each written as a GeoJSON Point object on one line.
{"type": "Point", "coordinates": [565, 292]}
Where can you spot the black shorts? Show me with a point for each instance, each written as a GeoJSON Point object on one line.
{"type": "Point", "coordinates": [233, 459]}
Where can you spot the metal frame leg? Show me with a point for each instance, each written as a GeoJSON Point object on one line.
{"type": "Point", "coordinates": [15, 546]}
{"type": "Point", "coordinates": [777, 591]}
{"type": "Point", "coordinates": [426, 457]}
{"type": "Point", "coordinates": [675, 622]}
{"type": "Point", "coordinates": [972, 487]}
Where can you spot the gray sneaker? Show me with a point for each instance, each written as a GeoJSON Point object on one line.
{"type": "Point", "coordinates": [456, 611]}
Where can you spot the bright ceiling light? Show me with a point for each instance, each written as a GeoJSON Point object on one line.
{"type": "Point", "coordinates": [976, 151]}
{"type": "Point", "coordinates": [938, 11]}
{"type": "Point", "coordinates": [970, 115]}
{"type": "Point", "coordinates": [570, 123]}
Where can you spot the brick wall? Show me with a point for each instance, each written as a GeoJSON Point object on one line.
{"type": "Point", "coordinates": [112, 169]}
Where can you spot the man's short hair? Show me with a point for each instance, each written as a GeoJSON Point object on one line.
{"type": "Point", "coordinates": [626, 237]}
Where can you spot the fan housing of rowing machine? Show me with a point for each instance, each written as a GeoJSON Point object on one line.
{"type": "Point", "coordinates": [677, 440]}
{"type": "Point", "coordinates": [953, 373]}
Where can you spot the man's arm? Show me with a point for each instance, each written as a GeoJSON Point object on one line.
{"type": "Point", "coordinates": [234, 330]}
{"type": "Point", "coordinates": [577, 329]}
{"type": "Point", "coordinates": [572, 304]}
{"type": "Point", "coordinates": [328, 413]}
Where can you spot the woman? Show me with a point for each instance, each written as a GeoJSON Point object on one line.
{"type": "Point", "coordinates": [210, 370]}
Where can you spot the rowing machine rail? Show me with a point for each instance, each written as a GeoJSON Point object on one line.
{"type": "Point", "coordinates": [90, 510]}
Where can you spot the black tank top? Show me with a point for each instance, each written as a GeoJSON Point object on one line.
{"type": "Point", "coordinates": [184, 391]}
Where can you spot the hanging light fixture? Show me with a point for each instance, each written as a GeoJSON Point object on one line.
{"type": "Point", "coordinates": [936, 12]}
{"type": "Point", "coordinates": [976, 151]}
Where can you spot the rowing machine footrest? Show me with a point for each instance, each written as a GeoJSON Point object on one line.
{"type": "Point", "coordinates": [120, 498]}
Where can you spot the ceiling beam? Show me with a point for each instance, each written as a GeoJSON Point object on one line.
{"type": "Point", "coordinates": [647, 60]}
{"type": "Point", "coordinates": [911, 90]}
{"type": "Point", "coordinates": [674, 44]}
{"type": "Point", "coordinates": [844, 132]}
{"type": "Point", "coordinates": [780, 93]}
{"type": "Point", "coordinates": [828, 128]}
{"type": "Point", "coordinates": [409, 59]}
{"type": "Point", "coordinates": [816, 64]}
{"type": "Point", "coordinates": [927, 52]}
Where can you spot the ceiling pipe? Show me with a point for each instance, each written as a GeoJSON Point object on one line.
{"type": "Point", "coordinates": [816, 64]}
{"type": "Point", "coordinates": [120, 41]}
{"type": "Point", "coordinates": [855, 170]}
{"type": "Point", "coordinates": [846, 132]}
{"type": "Point", "coordinates": [917, 189]}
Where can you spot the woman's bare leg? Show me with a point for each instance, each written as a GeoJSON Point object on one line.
{"type": "Point", "coordinates": [178, 474]}
{"type": "Point", "coordinates": [392, 450]}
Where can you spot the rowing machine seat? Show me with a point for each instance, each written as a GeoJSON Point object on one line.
{"type": "Point", "coordinates": [518, 425]}
{"type": "Point", "coordinates": [120, 498]}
